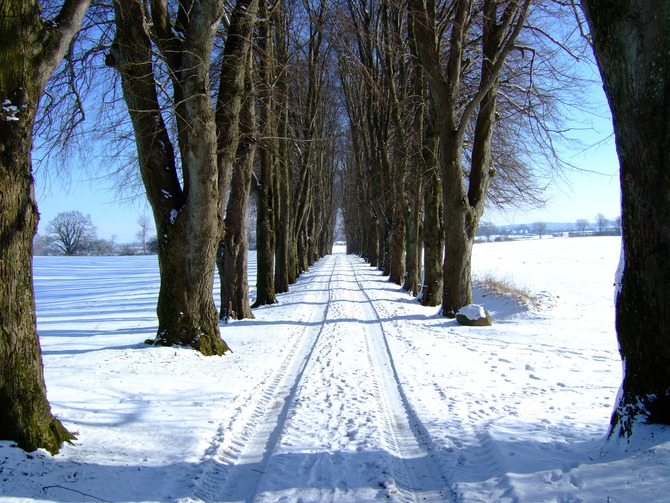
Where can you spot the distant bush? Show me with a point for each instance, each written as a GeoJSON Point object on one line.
{"type": "Point", "coordinates": [127, 250]}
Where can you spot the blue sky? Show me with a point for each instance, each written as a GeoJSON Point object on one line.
{"type": "Point", "coordinates": [592, 188]}
{"type": "Point", "coordinates": [111, 216]}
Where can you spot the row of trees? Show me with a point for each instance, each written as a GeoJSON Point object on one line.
{"type": "Point", "coordinates": [436, 96]}
{"type": "Point", "coordinates": [602, 224]}
{"type": "Point", "coordinates": [225, 102]}
{"type": "Point", "coordinates": [228, 102]}
{"type": "Point", "coordinates": [540, 228]}
{"type": "Point", "coordinates": [266, 113]}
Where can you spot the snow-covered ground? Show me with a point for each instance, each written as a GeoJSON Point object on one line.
{"type": "Point", "coordinates": [347, 390]}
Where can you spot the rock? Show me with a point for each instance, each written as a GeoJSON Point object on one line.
{"type": "Point", "coordinates": [474, 315]}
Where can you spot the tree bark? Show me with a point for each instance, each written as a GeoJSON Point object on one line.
{"type": "Point", "coordinates": [234, 82]}
{"type": "Point", "coordinates": [284, 221]}
{"type": "Point", "coordinates": [265, 228]}
{"type": "Point", "coordinates": [433, 222]}
{"type": "Point", "coordinates": [413, 234]}
{"type": "Point", "coordinates": [632, 46]}
{"type": "Point", "coordinates": [433, 232]}
{"type": "Point", "coordinates": [30, 51]}
{"type": "Point", "coordinates": [284, 271]}
{"type": "Point", "coordinates": [233, 264]}
{"type": "Point", "coordinates": [188, 218]}
{"type": "Point", "coordinates": [397, 248]}
{"type": "Point", "coordinates": [232, 89]}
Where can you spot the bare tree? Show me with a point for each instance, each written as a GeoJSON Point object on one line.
{"type": "Point", "coordinates": [142, 235]}
{"type": "Point", "coordinates": [488, 228]}
{"type": "Point", "coordinates": [31, 48]}
{"type": "Point", "coordinates": [186, 185]}
{"type": "Point", "coordinates": [234, 247]}
{"type": "Point", "coordinates": [582, 224]}
{"type": "Point", "coordinates": [102, 247]}
{"type": "Point", "coordinates": [601, 222]}
{"type": "Point", "coordinates": [631, 44]}
{"type": "Point", "coordinates": [540, 228]}
{"type": "Point", "coordinates": [463, 203]}
{"type": "Point", "coordinates": [72, 232]}
{"type": "Point", "coordinates": [266, 182]}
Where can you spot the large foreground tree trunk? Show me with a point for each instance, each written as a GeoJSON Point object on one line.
{"type": "Point", "coordinates": [30, 51]}
{"type": "Point", "coordinates": [632, 45]}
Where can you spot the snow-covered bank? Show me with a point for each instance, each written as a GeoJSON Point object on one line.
{"type": "Point", "coordinates": [348, 390]}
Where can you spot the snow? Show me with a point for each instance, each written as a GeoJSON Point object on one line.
{"type": "Point", "coordinates": [9, 110]}
{"type": "Point", "coordinates": [473, 312]}
{"type": "Point", "coordinates": [347, 390]}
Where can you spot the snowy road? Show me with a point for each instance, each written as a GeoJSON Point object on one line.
{"type": "Point", "coordinates": [333, 423]}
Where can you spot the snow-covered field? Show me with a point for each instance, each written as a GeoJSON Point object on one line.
{"type": "Point", "coordinates": [348, 390]}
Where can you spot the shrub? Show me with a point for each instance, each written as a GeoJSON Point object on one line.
{"type": "Point", "coordinates": [507, 288]}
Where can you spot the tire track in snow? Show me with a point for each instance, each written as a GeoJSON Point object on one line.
{"type": "Point", "coordinates": [415, 461]}
{"type": "Point", "coordinates": [472, 453]}
{"type": "Point", "coordinates": [249, 435]}
{"type": "Point", "coordinates": [334, 423]}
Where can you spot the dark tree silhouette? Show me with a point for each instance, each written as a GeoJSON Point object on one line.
{"type": "Point", "coordinates": [632, 46]}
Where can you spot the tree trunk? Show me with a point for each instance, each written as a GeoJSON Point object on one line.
{"type": "Point", "coordinates": [433, 232]}
{"type": "Point", "coordinates": [312, 241]}
{"type": "Point", "coordinates": [31, 51]}
{"type": "Point", "coordinates": [232, 90]}
{"type": "Point", "coordinates": [265, 237]}
{"type": "Point", "coordinates": [414, 205]}
{"type": "Point", "coordinates": [302, 251]}
{"type": "Point", "coordinates": [265, 190]}
{"type": "Point", "coordinates": [25, 414]}
{"type": "Point", "coordinates": [413, 245]}
{"type": "Point", "coordinates": [187, 219]}
{"type": "Point", "coordinates": [285, 269]}
{"type": "Point", "coordinates": [631, 44]}
{"type": "Point", "coordinates": [462, 214]}
{"type": "Point", "coordinates": [284, 221]}
{"type": "Point", "coordinates": [372, 239]}
{"type": "Point", "coordinates": [233, 266]}
{"type": "Point", "coordinates": [433, 222]}
{"type": "Point", "coordinates": [382, 243]}
{"type": "Point", "coordinates": [463, 208]}
{"type": "Point", "coordinates": [234, 82]}
{"type": "Point", "coordinates": [187, 315]}
{"type": "Point", "coordinates": [397, 249]}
